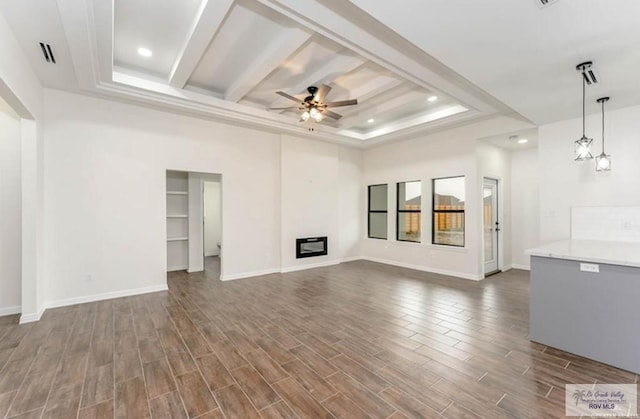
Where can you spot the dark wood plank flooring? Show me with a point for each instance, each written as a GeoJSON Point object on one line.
{"type": "Point", "coordinates": [356, 340]}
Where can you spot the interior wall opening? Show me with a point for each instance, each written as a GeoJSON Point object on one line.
{"type": "Point", "coordinates": [194, 223]}
{"type": "Point", "coordinates": [10, 211]}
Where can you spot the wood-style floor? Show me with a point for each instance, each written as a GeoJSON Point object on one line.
{"type": "Point", "coordinates": [355, 340]}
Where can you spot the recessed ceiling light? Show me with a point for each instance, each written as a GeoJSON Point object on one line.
{"type": "Point", "coordinates": [523, 141]}
{"type": "Point", "coordinates": [371, 120]}
{"type": "Point", "coordinates": [145, 52]}
{"type": "Point", "coordinates": [432, 98]}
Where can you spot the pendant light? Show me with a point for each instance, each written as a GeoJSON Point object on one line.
{"type": "Point", "coordinates": [583, 145]}
{"type": "Point", "coordinates": [603, 161]}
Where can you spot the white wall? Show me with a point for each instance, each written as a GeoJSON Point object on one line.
{"type": "Point", "coordinates": [10, 211]}
{"type": "Point", "coordinates": [495, 163]}
{"type": "Point", "coordinates": [565, 183]}
{"type": "Point", "coordinates": [310, 198]}
{"type": "Point", "coordinates": [212, 218]}
{"type": "Point", "coordinates": [105, 183]}
{"type": "Point", "coordinates": [443, 154]}
{"type": "Point", "coordinates": [196, 223]}
{"type": "Point", "coordinates": [351, 219]}
{"type": "Point", "coordinates": [525, 205]}
{"type": "Point", "coordinates": [20, 87]}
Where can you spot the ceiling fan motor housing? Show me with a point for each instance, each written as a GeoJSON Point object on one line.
{"type": "Point", "coordinates": [312, 94]}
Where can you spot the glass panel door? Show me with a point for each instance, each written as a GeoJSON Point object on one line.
{"type": "Point", "coordinates": [491, 225]}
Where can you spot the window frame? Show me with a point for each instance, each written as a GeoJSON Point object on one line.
{"type": "Point", "coordinates": [399, 211]}
{"type": "Point", "coordinates": [370, 211]}
{"type": "Point", "coordinates": [434, 212]}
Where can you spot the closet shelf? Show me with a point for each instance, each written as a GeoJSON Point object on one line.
{"type": "Point", "coordinates": [177, 239]}
{"type": "Point", "coordinates": [178, 216]}
{"type": "Point", "coordinates": [177, 193]}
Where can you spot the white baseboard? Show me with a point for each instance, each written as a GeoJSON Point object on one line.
{"type": "Point", "coordinates": [31, 317]}
{"type": "Point", "coordinates": [506, 268]}
{"type": "Point", "coordinates": [249, 274]}
{"type": "Point", "coordinates": [105, 296]}
{"type": "Point", "coordinates": [523, 267]}
{"type": "Point", "coordinates": [211, 254]}
{"type": "Point", "coordinates": [34, 317]}
{"type": "Point", "coordinates": [426, 269]}
{"type": "Point", "coordinates": [177, 268]}
{"type": "Point", "coordinates": [7, 311]}
{"type": "Point", "coordinates": [310, 266]}
{"type": "Point", "coordinates": [289, 269]}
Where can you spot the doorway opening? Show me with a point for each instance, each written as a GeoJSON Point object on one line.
{"type": "Point", "coordinates": [194, 224]}
{"type": "Point", "coordinates": [491, 226]}
{"type": "Point", "coordinates": [10, 210]}
{"type": "Point", "coordinates": [212, 210]}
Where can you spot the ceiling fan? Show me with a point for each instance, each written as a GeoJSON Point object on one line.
{"type": "Point", "coordinates": [314, 106]}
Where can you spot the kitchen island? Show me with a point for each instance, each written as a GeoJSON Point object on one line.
{"type": "Point", "coordinates": [585, 299]}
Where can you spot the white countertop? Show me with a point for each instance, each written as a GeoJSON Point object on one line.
{"type": "Point", "coordinates": [613, 253]}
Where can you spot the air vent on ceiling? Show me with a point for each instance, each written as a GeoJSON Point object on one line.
{"type": "Point", "coordinates": [545, 3]}
{"type": "Point", "coordinates": [47, 52]}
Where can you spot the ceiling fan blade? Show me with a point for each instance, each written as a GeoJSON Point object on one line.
{"type": "Point", "coordinates": [323, 91]}
{"type": "Point", "coordinates": [330, 114]}
{"type": "Point", "coordinates": [288, 96]}
{"type": "Point", "coordinates": [286, 108]}
{"type": "Point", "coordinates": [341, 103]}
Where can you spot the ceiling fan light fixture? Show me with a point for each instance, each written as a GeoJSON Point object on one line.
{"type": "Point", "coordinates": [315, 114]}
{"type": "Point", "coordinates": [305, 116]}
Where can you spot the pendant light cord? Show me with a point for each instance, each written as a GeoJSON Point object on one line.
{"type": "Point", "coordinates": [603, 127]}
{"type": "Point", "coordinates": [583, 103]}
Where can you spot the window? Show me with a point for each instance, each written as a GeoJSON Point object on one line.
{"type": "Point", "coordinates": [408, 211]}
{"type": "Point", "coordinates": [377, 212]}
{"type": "Point", "coordinates": [448, 211]}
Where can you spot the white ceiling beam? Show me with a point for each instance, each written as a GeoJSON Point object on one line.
{"type": "Point", "coordinates": [286, 44]}
{"type": "Point", "coordinates": [332, 69]}
{"type": "Point", "coordinates": [372, 95]}
{"type": "Point", "coordinates": [335, 19]}
{"type": "Point", "coordinates": [370, 90]}
{"type": "Point", "coordinates": [415, 121]}
{"type": "Point", "coordinates": [364, 113]}
{"type": "Point", "coordinates": [208, 20]}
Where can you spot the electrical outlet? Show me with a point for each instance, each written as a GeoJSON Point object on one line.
{"type": "Point", "coordinates": [88, 277]}
{"type": "Point", "coordinates": [589, 267]}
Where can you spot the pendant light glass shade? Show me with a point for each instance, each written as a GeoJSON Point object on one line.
{"type": "Point", "coordinates": [583, 145]}
{"type": "Point", "coordinates": [603, 161]}
{"type": "Point", "coordinates": [583, 149]}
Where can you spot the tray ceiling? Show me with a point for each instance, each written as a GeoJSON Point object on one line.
{"type": "Point", "coordinates": [226, 59]}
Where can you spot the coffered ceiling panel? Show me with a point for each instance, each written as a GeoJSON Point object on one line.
{"type": "Point", "coordinates": [160, 26]}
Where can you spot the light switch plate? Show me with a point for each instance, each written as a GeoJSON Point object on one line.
{"type": "Point", "coordinates": [589, 267]}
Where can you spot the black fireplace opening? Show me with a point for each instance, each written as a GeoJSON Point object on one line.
{"type": "Point", "coordinates": [310, 247]}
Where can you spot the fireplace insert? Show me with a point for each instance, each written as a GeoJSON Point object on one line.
{"type": "Point", "coordinates": [310, 247]}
